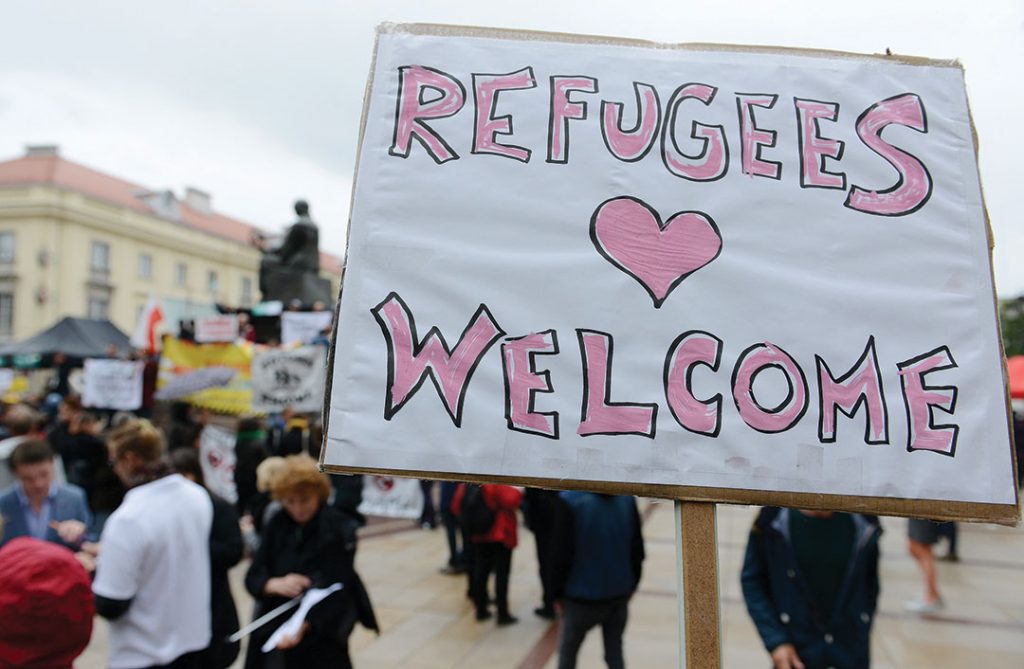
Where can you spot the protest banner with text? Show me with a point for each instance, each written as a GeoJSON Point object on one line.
{"type": "Point", "coordinates": [734, 275]}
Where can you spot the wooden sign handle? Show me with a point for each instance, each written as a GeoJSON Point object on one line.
{"type": "Point", "coordinates": [701, 627]}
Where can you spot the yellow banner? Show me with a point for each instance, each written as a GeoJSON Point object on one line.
{"type": "Point", "coordinates": [182, 358]}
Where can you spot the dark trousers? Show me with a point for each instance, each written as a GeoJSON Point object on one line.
{"type": "Point", "coordinates": [191, 660]}
{"type": "Point", "coordinates": [496, 557]}
{"type": "Point", "coordinates": [429, 515]}
{"type": "Point", "coordinates": [578, 618]}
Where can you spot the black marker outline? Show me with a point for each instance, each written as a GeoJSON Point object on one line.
{"type": "Point", "coordinates": [546, 375]}
{"type": "Point", "coordinates": [428, 369]}
{"type": "Point", "coordinates": [565, 119]}
{"type": "Point", "coordinates": [862, 399]}
{"type": "Point", "coordinates": [716, 399]}
{"type": "Point", "coordinates": [954, 393]}
{"type": "Point", "coordinates": [822, 156]}
{"type": "Point", "coordinates": [505, 117]}
{"type": "Point", "coordinates": [662, 226]}
{"type": "Point", "coordinates": [743, 100]}
{"type": "Point", "coordinates": [620, 107]}
{"type": "Point", "coordinates": [899, 183]}
{"type": "Point", "coordinates": [413, 134]}
{"type": "Point", "coordinates": [789, 380]}
{"type": "Point", "coordinates": [668, 133]}
{"type": "Point", "coordinates": [610, 340]}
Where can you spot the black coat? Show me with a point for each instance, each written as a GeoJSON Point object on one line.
{"type": "Point", "coordinates": [324, 550]}
{"type": "Point", "coordinates": [225, 552]}
{"type": "Point", "coordinates": [779, 603]}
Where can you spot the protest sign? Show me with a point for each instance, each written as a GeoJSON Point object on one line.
{"type": "Point", "coordinates": [217, 460]}
{"type": "Point", "coordinates": [221, 327]}
{"type": "Point", "coordinates": [284, 378]}
{"type": "Point", "coordinates": [302, 327]}
{"type": "Point", "coordinates": [391, 497]}
{"type": "Point", "coordinates": [112, 384]}
{"type": "Point", "coordinates": [180, 358]}
{"type": "Point", "coordinates": [6, 379]}
{"type": "Point", "coordinates": [786, 252]}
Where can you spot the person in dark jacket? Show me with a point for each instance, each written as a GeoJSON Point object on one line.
{"type": "Point", "coordinates": [250, 451]}
{"type": "Point", "coordinates": [309, 545]}
{"type": "Point", "coordinates": [225, 552]}
{"type": "Point", "coordinates": [539, 513]}
{"type": "Point", "coordinates": [810, 581]}
{"type": "Point", "coordinates": [596, 562]}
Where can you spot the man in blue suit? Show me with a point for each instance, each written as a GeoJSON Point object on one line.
{"type": "Point", "coordinates": [36, 506]}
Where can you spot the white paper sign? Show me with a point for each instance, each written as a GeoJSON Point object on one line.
{"type": "Point", "coordinates": [303, 326]}
{"type": "Point", "coordinates": [786, 252]}
{"type": "Point", "coordinates": [112, 384]}
{"type": "Point", "coordinates": [217, 459]}
{"type": "Point", "coordinates": [6, 379]}
{"type": "Point", "coordinates": [390, 497]}
{"type": "Point", "coordinates": [288, 378]}
{"type": "Point", "coordinates": [222, 327]}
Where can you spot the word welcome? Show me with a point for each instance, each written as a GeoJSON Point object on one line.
{"type": "Point", "coordinates": [412, 360]}
{"type": "Point", "coordinates": [426, 93]}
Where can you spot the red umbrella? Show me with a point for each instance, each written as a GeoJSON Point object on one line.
{"type": "Point", "coordinates": [1015, 370]}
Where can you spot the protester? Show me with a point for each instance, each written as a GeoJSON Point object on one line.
{"type": "Point", "coordinates": [539, 512]}
{"type": "Point", "coordinates": [225, 552]}
{"type": "Point", "coordinates": [250, 451]}
{"type": "Point", "coordinates": [310, 545]}
{"type": "Point", "coordinates": [20, 421]}
{"type": "Point", "coordinates": [67, 411]}
{"type": "Point", "coordinates": [84, 454]}
{"type": "Point", "coordinates": [921, 536]}
{"type": "Point", "coordinates": [428, 516]}
{"type": "Point", "coordinates": [492, 547]}
{"type": "Point", "coordinates": [153, 571]}
{"type": "Point", "coordinates": [185, 427]}
{"type": "Point", "coordinates": [457, 559]}
{"type": "Point", "coordinates": [949, 532]}
{"type": "Point", "coordinates": [39, 507]}
{"type": "Point", "coordinates": [46, 606]}
{"type": "Point", "coordinates": [596, 561]}
{"type": "Point", "coordinates": [810, 581]}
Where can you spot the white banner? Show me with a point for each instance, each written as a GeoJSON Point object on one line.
{"type": "Point", "coordinates": [112, 384]}
{"type": "Point", "coordinates": [289, 378]}
{"type": "Point", "coordinates": [787, 253]}
{"type": "Point", "coordinates": [222, 327]}
{"type": "Point", "coordinates": [303, 327]}
{"type": "Point", "coordinates": [391, 497]}
{"type": "Point", "coordinates": [217, 459]}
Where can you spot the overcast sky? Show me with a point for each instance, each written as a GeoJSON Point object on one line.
{"type": "Point", "coordinates": [258, 101]}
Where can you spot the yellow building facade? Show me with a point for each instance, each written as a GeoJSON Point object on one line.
{"type": "Point", "coordinates": [78, 242]}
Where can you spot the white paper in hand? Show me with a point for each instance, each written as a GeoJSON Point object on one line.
{"type": "Point", "coordinates": [291, 626]}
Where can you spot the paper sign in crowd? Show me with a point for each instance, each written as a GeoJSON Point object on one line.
{"type": "Point", "coordinates": [726, 269]}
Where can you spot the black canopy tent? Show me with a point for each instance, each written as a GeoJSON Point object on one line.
{"type": "Point", "coordinates": [74, 337]}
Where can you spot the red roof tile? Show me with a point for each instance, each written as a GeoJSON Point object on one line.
{"type": "Point", "coordinates": [56, 171]}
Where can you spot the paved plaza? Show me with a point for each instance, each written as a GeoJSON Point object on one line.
{"type": "Point", "coordinates": [428, 623]}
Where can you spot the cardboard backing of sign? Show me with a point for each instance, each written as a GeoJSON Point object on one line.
{"type": "Point", "coordinates": [923, 508]}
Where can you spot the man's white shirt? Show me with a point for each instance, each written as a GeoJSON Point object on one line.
{"type": "Point", "coordinates": [155, 551]}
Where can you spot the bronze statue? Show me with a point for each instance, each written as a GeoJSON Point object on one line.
{"type": "Point", "coordinates": [291, 270]}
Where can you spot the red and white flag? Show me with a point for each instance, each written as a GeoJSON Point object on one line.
{"type": "Point", "coordinates": [148, 329]}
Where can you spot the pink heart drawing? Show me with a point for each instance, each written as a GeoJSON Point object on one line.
{"type": "Point", "coordinates": [631, 236]}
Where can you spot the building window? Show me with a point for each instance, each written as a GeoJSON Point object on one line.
{"type": "Point", "coordinates": [6, 314]}
{"type": "Point", "coordinates": [99, 307]}
{"type": "Point", "coordinates": [181, 274]}
{"type": "Point", "coordinates": [211, 282]}
{"type": "Point", "coordinates": [6, 247]}
{"type": "Point", "coordinates": [145, 266]}
{"type": "Point", "coordinates": [246, 292]}
{"type": "Point", "coordinates": [100, 257]}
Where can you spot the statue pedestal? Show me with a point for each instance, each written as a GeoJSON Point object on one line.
{"type": "Point", "coordinates": [284, 284]}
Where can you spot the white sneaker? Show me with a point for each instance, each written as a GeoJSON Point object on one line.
{"type": "Point", "coordinates": [922, 607]}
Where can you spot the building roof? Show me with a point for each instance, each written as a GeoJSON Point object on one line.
{"type": "Point", "coordinates": [47, 167]}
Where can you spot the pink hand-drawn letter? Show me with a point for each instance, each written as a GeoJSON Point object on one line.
{"type": "Point", "coordinates": [599, 415]}
{"type": "Point", "coordinates": [523, 382]}
{"type": "Point", "coordinates": [923, 433]}
{"type": "Point", "coordinates": [486, 88]}
{"type": "Point", "coordinates": [862, 384]}
{"type": "Point", "coordinates": [687, 351]}
{"type": "Point", "coordinates": [758, 358]}
{"type": "Point", "coordinates": [410, 119]}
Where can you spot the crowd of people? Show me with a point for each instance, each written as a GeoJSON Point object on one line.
{"type": "Point", "coordinates": [109, 515]}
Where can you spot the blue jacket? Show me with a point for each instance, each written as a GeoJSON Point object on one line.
{"type": "Point", "coordinates": [779, 602]}
{"type": "Point", "coordinates": [597, 547]}
{"type": "Point", "coordinates": [68, 504]}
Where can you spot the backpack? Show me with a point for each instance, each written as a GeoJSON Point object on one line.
{"type": "Point", "coordinates": [477, 517]}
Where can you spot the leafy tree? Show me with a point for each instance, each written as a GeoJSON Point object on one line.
{"type": "Point", "coordinates": [1011, 318]}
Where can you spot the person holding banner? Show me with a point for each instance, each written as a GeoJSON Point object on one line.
{"type": "Point", "coordinates": [309, 545]}
{"type": "Point", "coordinates": [810, 581]}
